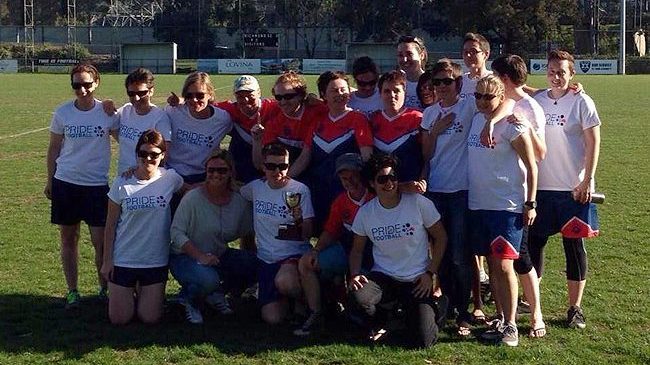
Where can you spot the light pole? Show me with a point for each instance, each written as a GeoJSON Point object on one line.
{"type": "Point", "coordinates": [622, 42]}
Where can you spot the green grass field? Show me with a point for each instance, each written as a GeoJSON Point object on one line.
{"type": "Point", "coordinates": [34, 328]}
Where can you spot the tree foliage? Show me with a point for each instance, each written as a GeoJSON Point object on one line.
{"type": "Point", "coordinates": [518, 25]}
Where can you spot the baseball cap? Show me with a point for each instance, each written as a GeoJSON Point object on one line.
{"type": "Point", "coordinates": [349, 161]}
{"type": "Point", "coordinates": [246, 83]}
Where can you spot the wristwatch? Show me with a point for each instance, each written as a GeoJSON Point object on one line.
{"type": "Point", "coordinates": [531, 204]}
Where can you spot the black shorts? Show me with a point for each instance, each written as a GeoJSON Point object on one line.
{"type": "Point", "coordinates": [72, 203]}
{"type": "Point", "coordinates": [128, 277]}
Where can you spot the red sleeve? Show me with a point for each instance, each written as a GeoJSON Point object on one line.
{"type": "Point", "coordinates": [362, 131]}
{"type": "Point", "coordinates": [268, 110]}
{"type": "Point", "coordinates": [334, 223]}
{"type": "Point", "coordinates": [271, 130]}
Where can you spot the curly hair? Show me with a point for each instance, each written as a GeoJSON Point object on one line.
{"type": "Point", "coordinates": [294, 80]}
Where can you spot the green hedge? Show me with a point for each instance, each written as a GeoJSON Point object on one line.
{"type": "Point", "coordinates": [637, 65]}
{"type": "Point", "coordinates": [47, 50]}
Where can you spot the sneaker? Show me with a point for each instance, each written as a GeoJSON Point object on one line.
{"type": "Point", "coordinates": [72, 299]}
{"type": "Point", "coordinates": [314, 320]}
{"type": "Point", "coordinates": [495, 332]}
{"type": "Point", "coordinates": [510, 335]}
{"type": "Point", "coordinates": [251, 292]}
{"type": "Point", "coordinates": [218, 302]}
{"type": "Point", "coordinates": [102, 295]}
{"type": "Point", "coordinates": [523, 307]}
{"type": "Point", "coordinates": [192, 313]}
{"type": "Point", "coordinates": [575, 318]}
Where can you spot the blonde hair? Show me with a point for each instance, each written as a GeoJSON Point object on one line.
{"type": "Point", "coordinates": [492, 83]}
{"type": "Point", "coordinates": [201, 78]}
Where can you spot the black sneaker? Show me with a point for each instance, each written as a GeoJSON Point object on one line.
{"type": "Point", "coordinates": [575, 318]}
{"type": "Point", "coordinates": [495, 333]}
{"type": "Point", "coordinates": [313, 321]}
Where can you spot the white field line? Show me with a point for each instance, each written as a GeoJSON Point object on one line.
{"type": "Point", "coordinates": [23, 133]}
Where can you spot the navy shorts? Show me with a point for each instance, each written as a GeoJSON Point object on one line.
{"type": "Point", "coordinates": [558, 212]}
{"type": "Point", "coordinates": [496, 233]}
{"type": "Point", "coordinates": [268, 292]}
{"type": "Point", "coordinates": [72, 203]}
{"type": "Point", "coordinates": [128, 277]}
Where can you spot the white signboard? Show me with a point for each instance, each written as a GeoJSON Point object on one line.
{"type": "Point", "coordinates": [318, 66]}
{"type": "Point", "coordinates": [588, 67]}
{"type": "Point", "coordinates": [8, 66]}
{"type": "Point", "coordinates": [207, 65]}
{"type": "Point", "coordinates": [240, 66]}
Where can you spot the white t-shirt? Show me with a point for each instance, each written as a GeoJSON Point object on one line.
{"type": "Point", "coordinates": [85, 155]}
{"type": "Point", "coordinates": [469, 86]}
{"type": "Point", "coordinates": [367, 105]}
{"type": "Point", "coordinates": [564, 166]}
{"type": "Point", "coordinates": [132, 125]}
{"type": "Point", "coordinates": [448, 166]}
{"type": "Point", "coordinates": [193, 140]}
{"type": "Point", "coordinates": [399, 236]}
{"type": "Point", "coordinates": [530, 110]}
{"type": "Point", "coordinates": [142, 236]}
{"type": "Point", "coordinates": [269, 212]}
{"type": "Point", "coordinates": [411, 99]}
{"type": "Point", "coordinates": [497, 177]}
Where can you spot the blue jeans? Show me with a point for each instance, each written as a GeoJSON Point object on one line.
{"type": "Point", "coordinates": [456, 266]}
{"type": "Point", "coordinates": [237, 270]}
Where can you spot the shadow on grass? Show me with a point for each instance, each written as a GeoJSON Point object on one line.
{"type": "Point", "coordinates": [40, 324]}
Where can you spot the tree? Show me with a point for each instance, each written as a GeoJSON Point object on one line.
{"type": "Point", "coordinates": [380, 20]}
{"type": "Point", "coordinates": [186, 22]}
{"type": "Point", "coordinates": [518, 25]}
{"type": "Point", "coordinates": [309, 18]}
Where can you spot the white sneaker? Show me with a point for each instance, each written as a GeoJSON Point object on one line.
{"type": "Point", "coordinates": [510, 335]}
{"type": "Point", "coordinates": [192, 313]}
{"type": "Point", "coordinates": [218, 302]}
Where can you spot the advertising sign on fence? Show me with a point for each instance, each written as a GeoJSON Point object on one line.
{"type": "Point", "coordinates": [8, 66]}
{"type": "Point", "coordinates": [588, 67]}
{"type": "Point", "coordinates": [207, 65]}
{"type": "Point", "coordinates": [240, 66]}
{"type": "Point", "coordinates": [318, 66]}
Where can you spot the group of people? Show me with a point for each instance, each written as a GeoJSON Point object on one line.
{"type": "Point", "coordinates": [382, 198]}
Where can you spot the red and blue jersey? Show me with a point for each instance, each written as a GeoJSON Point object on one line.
{"type": "Point", "coordinates": [241, 140]}
{"type": "Point", "coordinates": [339, 223]}
{"type": "Point", "coordinates": [290, 131]}
{"type": "Point", "coordinates": [399, 136]}
{"type": "Point", "coordinates": [330, 138]}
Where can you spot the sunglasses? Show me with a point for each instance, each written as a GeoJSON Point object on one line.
{"type": "Point", "coordinates": [151, 155]}
{"type": "Point", "coordinates": [486, 97]}
{"type": "Point", "coordinates": [197, 96]}
{"type": "Point", "coordinates": [382, 179]}
{"type": "Point", "coordinates": [218, 170]}
{"type": "Point", "coordinates": [139, 93]}
{"type": "Point", "coordinates": [471, 52]}
{"type": "Point", "coordinates": [289, 96]}
{"type": "Point", "coordinates": [78, 85]}
{"type": "Point", "coordinates": [447, 81]}
{"type": "Point", "coordinates": [365, 83]}
{"type": "Point", "coordinates": [273, 166]}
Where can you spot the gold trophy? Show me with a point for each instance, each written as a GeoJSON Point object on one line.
{"type": "Point", "coordinates": [291, 231]}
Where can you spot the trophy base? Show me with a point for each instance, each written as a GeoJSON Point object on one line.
{"type": "Point", "coordinates": [289, 232]}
